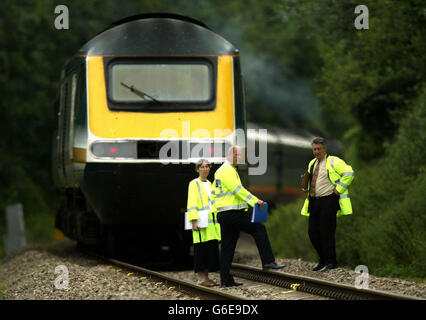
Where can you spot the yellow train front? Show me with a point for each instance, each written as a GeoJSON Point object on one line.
{"type": "Point", "coordinates": [139, 104]}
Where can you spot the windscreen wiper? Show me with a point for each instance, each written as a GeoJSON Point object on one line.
{"type": "Point", "coordinates": [140, 93]}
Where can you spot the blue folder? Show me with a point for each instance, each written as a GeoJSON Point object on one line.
{"type": "Point", "coordinates": [258, 215]}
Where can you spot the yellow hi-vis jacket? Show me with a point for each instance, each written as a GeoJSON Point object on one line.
{"type": "Point", "coordinates": [228, 192]}
{"type": "Point", "coordinates": [341, 176]}
{"type": "Point", "coordinates": [199, 199]}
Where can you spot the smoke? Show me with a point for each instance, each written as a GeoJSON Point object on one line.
{"type": "Point", "coordinates": [275, 95]}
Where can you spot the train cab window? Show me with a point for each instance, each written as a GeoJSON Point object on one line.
{"type": "Point", "coordinates": [160, 85]}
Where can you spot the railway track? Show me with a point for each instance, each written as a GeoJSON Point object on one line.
{"type": "Point", "coordinates": [313, 286]}
{"type": "Point", "coordinates": [179, 284]}
{"type": "Point", "coordinates": [297, 287]}
{"type": "Point", "coordinates": [184, 286]}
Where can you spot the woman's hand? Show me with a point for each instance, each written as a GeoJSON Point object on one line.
{"type": "Point", "coordinates": [195, 225]}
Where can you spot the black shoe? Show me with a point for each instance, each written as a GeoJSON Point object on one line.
{"type": "Point", "coordinates": [273, 265]}
{"type": "Point", "coordinates": [328, 267]}
{"type": "Point", "coordinates": [318, 266]}
{"type": "Point", "coordinates": [232, 284]}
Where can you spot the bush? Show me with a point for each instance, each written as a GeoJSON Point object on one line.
{"type": "Point", "coordinates": [288, 232]}
{"type": "Point", "coordinates": [387, 231]}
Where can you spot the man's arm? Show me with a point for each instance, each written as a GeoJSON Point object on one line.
{"type": "Point", "coordinates": [347, 175]}
{"type": "Point", "coordinates": [237, 189]}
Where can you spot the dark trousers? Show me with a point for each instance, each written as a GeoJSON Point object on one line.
{"type": "Point", "coordinates": [231, 223]}
{"type": "Point", "coordinates": [322, 227]}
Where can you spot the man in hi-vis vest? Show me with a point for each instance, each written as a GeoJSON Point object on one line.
{"type": "Point", "coordinates": [328, 181]}
{"type": "Point", "coordinates": [232, 202]}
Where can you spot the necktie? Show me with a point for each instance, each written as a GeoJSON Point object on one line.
{"type": "Point", "coordinates": [314, 180]}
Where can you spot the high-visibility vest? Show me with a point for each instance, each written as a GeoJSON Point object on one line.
{"type": "Point", "coordinates": [228, 192]}
{"type": "Point", "coordinates": [341, 176]}
{"type": "Point", "coordinates": [199, 199]}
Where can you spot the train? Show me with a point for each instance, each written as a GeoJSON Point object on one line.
{"type": "Point", "coordinates": [288, 153]}
{"type": "Point", "coordinates": [138, 105]}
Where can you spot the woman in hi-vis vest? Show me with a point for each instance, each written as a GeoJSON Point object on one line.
{"type": "Point", "coordinates": [206, 239]}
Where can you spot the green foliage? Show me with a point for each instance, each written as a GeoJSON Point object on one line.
{"type": "Point", "coordinates": [387, 231]}
{"type": "Point", "coordinates": [288, 232]}
{"type": "Point", "coordinates": [365, 78]}
{"type": "Point", "coordinates": [31, 60]}
{"type": "Point", "coordinates": [42, 228]}
{"type": "Point", "coordinates": [389, 204]}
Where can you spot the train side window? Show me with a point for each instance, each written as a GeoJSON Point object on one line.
{"type": "Point", "coordinates": [66, 120]}
{"type": "Point", "coordinates": [62, 126]}
{"type": "Point", "coordinates": [73, 94]}
{"type": "Point", "coordinates": [79, 99]}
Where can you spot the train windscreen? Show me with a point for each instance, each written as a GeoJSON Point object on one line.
{"type": "Point", "coordinates": [161, 82]}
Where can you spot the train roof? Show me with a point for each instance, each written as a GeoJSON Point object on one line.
{"type": "Point", "coordinates": [157, 34]}
{"type": "Point", "coordinates": [300, 138]}
{"type": "Point", "coordinates": [290, 137]}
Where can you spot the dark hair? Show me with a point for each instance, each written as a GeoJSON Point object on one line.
{"type": "Point", "coordinates": [319, 140]}
{"type": "Point", "coordinates": [200, 162]}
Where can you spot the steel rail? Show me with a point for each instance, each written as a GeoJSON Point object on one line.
{"type": "Point", "coordinates": [182, 285]}
{"type": "Point", "coordinates": [314, 286]}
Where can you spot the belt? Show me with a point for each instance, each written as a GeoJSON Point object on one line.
{"type": "Point", "coordinates": [323, 197]}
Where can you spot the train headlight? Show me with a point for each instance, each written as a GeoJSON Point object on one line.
{"type": "Point", "coordinates": [115, 150]}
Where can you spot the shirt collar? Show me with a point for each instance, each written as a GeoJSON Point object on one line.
{"type": "Point", "coordinates": [228, 162]}
{"type": "Point", "coordinates": [325, 157]}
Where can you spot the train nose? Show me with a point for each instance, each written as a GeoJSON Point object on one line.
{"type": "Point", "coordinates": [124, 193]}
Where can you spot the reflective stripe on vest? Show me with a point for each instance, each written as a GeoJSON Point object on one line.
{"type": "Point", "coordinates": [341, 184]}
{"type": "Point", "coordinates": [199, 192]}
{"type": "Point", "coordinates": [198, 209]}
{"type": "Point", "coordinates": [234, 207]}
{"type": "Point", "coordinates": [201, 199]}
{"type": "Point", "coordinates": [220, 195]}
